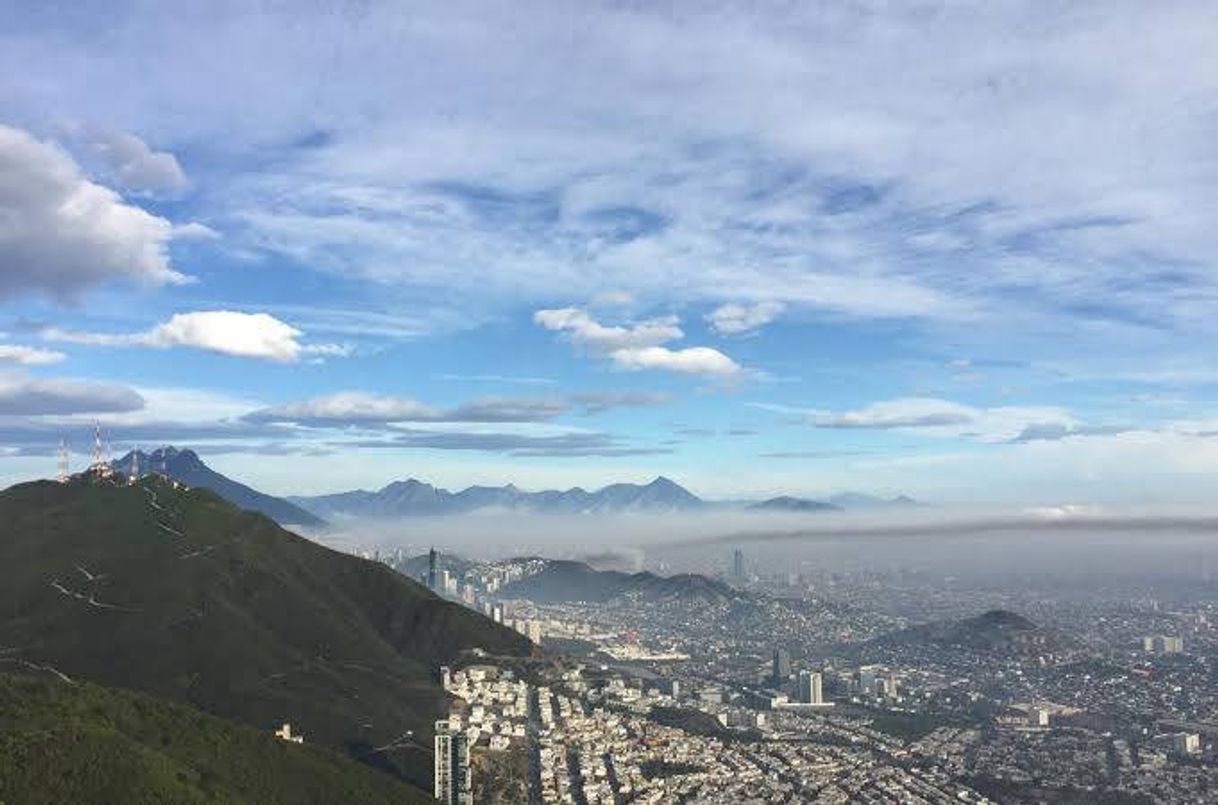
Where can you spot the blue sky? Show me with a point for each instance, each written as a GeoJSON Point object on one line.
{"type": "Point", "coordinates": [960, 251]}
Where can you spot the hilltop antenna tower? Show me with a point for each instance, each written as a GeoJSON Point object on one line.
{"type": "Point", "coordinates": [135, 465]}
{"type": "Point", "coordinates": [101, 464]}
{"type": "Point", "coordinates": [99, 455]}
{"type": "Point", "coordinates": [64, 469]}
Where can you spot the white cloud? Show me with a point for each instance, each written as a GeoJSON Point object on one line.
{"type": "Point", "coordinates": [910, 412]}
{"type": "Point", "coordinates": [854, 160]}
{"type": "Point", "coordinates": [693, 360]}
{"type": "Point", "coordinates": [227, 332]}
{"type": "Point", "coordinates": [581, 329]}
{"type": "Point", "coordinates": [30, 356]}
{"type": "Point", "coordinates": [733, 318]}
{"type": "Point", "coordinates": [61, 234]}
{"type": "Point", "coordinates": [195, 231]}
{"type": "Point", "coordinates": [636, 345]}
{"type": "Point", "coordinates": [137, 167]}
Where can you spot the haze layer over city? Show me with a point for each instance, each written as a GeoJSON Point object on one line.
{"type": "Point", "coordinates": [608, 402]}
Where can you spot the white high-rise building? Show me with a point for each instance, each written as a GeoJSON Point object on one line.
{"type": "Point", "coordinates": [1162, 644]}
{"type": "Point", "coordinates": [1187, 743]}
{"type": "Point", "coordinates": [810, 687]}
{"type": "Point", "coordinates": [454, 781]}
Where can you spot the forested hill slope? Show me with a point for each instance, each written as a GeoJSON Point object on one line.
{"type": "Point", "coordinates": [176, 592]}
{"type": "Point", "coordinates": [75, 742]}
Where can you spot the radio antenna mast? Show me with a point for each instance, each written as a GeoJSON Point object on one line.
{"type": "Point", "coordinates": [64, 469]}
{"type": "Point", "coordinates": [99, 455]}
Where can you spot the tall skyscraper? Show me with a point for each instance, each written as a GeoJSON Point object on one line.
{"type": "Point", "coordinates": [810, 687]}
{"type": "Point", "coordinates": [782, 666]}
{"type": "Point", "coordinates": [454, 782]}
{"type": "Point", "coordinates": [738, 567]}
{"type": "Point", "coordinates": [431, 570]}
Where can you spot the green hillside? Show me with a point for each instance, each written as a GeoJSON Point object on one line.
{"type": "Point", "coordinates": [86, 744]}
{"type": "Point", "coordinates": [177, 593]}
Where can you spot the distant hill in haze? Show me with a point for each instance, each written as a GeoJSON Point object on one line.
{"type": "Point", "coordinates": [180, 594]}
{"type": "Point", "coordinates": [860, 500]}
{"type": "Point", "coordinates": [563, 580]}
{"type": "Point", "coordinates": [995, 631]}
{"type": "Point", "coordinates": [412, 498]}
{"type": "Point", "coordinates": [786, 503]}
{"type": "Point", "coordinates": [187, 467]}
{"type": "Point", "coordinates": [75, 742]}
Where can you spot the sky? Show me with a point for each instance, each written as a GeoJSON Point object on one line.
{"type": "Point", "coordinates": [960, 251]}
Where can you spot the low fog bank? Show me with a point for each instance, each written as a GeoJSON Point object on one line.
{"type": "Point", "coordinates": [1057, 542]}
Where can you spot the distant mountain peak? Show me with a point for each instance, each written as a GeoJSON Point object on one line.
{"type": "Point", "coordinates": [862, 500]}
{"type": "Point", "coordinates": [1004, 618]}
{"type": "Point", "coordinates": [185, 466]}
{"type": "Point", "coordinates": [993, 630]}
{"type": "Point", "coordinates": [788, 503]}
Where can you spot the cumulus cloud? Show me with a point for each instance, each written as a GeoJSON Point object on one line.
{"type": "Point", "coordinates": [227, 332]}
{"type": "Point", "coordinates": [26, 396]}
{"type": "Point", "coordinates": [581, 329]}
{"type": "Point", "coordinates": [137, 167]}
{"type": "Point", "coordinates": [733, 318]}
{"type": "Point", "coordinates": [62, 233]}
{"type": "Point", "coordinates": [29, 356]}
{"type": "Point", "coordinates": [690, 361]}
{"type": "Point", "coordinates": [902, 413]}
{"type": "Point", "coordinates": [636, 345]}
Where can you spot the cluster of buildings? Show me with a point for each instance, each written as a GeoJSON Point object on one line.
{"type": "Point", "coordinates": [791, 693]}
{"type": "Point", "coordinates": [1012, 719]}
{"type": "Point", "coordinates": [600, 736]}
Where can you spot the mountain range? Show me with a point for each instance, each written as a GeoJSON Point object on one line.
{"type": "Point", "coordinates": [174, 592]}
{"type": "Point", "coordinates": [412, 497]}
{"type": "Point", "coordinates": [186, 466]}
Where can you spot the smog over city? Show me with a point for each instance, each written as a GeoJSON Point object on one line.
{"type": "Point", "coordinates": [609, 402]}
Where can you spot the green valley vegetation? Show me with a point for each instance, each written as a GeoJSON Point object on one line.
{"type": "Point", "coordinates": [175, 592]}
{"type": "Point", "coordinates": [80, 743]}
